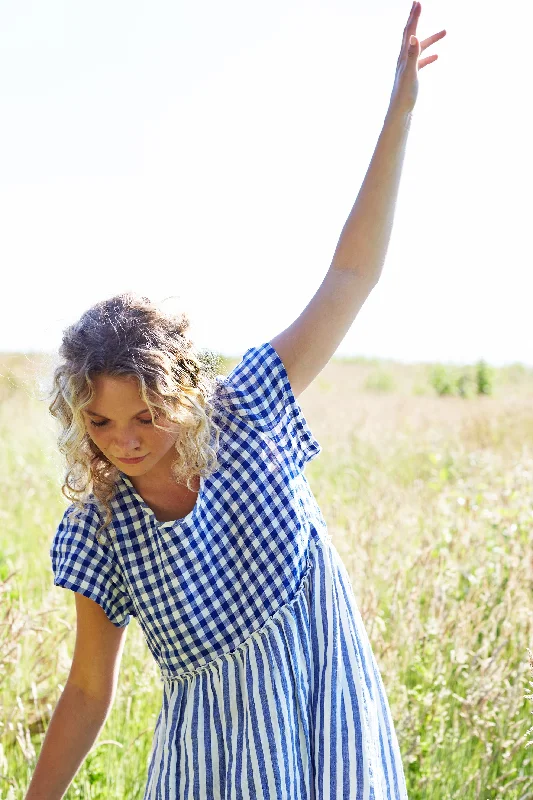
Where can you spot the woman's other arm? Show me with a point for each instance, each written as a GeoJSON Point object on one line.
{"type": "Point", "coordinates": [76, 722]}
{"type": "Point", "coordinates": [84, 704]}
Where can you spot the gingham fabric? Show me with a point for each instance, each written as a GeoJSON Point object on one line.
{"type": "Point", "coordinates": [270, 686]}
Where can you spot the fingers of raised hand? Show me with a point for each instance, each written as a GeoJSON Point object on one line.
{"type": "Point", "coordinates": [410, 28]}
{"type": "Point", "coordinates": [412, 22]}
{"type": "Point", "coordinates": [432, 39]}
{"type": "Point", "coordinates": [425, 61]}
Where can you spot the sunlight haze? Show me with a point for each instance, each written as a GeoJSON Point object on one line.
{"type": "Point", "coordinates": [212, 153]}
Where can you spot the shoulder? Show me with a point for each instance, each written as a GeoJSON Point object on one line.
{"type": "Point", "coordinates": [256, 386]}
{"type": "Point", "coordinates": [75, 516]}
{"type": "Point", "coordinates": [257, 362]}
{"type": "Point", "coordinates": [79, 525]}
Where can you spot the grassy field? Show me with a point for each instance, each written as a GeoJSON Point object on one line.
{"type": "Point", "coordinates": [429, 500]}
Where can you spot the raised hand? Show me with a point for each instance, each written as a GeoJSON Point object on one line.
{"type": "Point", "coordinates": [405, 91]}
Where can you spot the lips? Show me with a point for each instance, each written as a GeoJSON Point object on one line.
{"type": "Point", "coordinates": [132, 460]}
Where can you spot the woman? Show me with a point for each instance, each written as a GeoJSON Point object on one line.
{"type": "Point", "coordinates": [191, 512]}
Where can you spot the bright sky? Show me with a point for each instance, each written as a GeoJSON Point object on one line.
{"type": "Point", "coordinates": [213, 151]}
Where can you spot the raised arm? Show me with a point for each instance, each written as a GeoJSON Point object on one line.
{"type": "Point", "coordinates": [306, 346]}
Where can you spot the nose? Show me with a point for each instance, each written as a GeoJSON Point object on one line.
{"type": "Point", "coordinates": [125, 446]}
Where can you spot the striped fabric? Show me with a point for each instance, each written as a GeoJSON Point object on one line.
{"type": "Point", "coordinates": [270, 687]}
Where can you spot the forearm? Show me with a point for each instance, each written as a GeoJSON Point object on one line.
{"type": "Point", "coordinates": [76, 722]}
{"type": "Point", "coordinates": [365, 237]}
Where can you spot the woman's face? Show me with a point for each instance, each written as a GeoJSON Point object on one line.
{"type": "Point", "coordinates": [119, 423]}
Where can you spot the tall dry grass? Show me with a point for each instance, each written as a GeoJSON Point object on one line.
{"type": "Point", "coordinates": [429, 502]}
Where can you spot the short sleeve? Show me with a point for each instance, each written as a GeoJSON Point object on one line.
{"type": "Point", "coordinates": [260, 390]}
{"type": "Point", "coordinates": [81, 564]}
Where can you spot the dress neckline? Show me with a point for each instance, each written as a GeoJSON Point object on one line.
{"type": "Point", "coordinates": [172, 522]}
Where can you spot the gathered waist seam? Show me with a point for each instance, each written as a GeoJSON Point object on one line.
{"type": "Point", "coordinates": [169, 679]}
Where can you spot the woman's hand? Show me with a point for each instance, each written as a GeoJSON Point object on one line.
{"type": "Point", "coordinates": [405, 89]}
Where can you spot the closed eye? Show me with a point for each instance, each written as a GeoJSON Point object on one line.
{"type": "Point", "coordinates": [105, 421]}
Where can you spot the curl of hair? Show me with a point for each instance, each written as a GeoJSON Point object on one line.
{"type": "Point", "coordinates": [130, 336]}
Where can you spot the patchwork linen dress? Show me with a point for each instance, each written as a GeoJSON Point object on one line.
{"type": "Point", "coordinates": [270, 687]}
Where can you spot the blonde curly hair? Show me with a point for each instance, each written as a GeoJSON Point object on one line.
{"type": "Point", "coordinates": [130, 336]}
